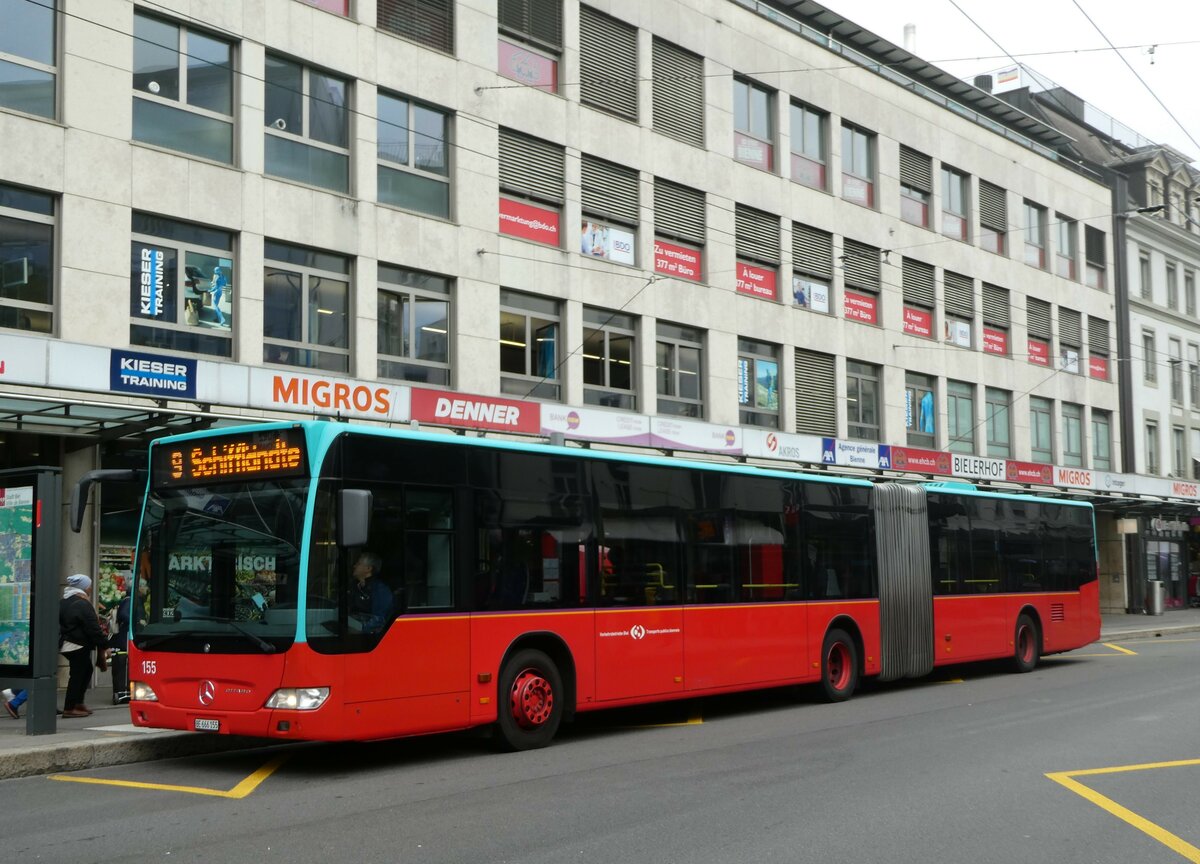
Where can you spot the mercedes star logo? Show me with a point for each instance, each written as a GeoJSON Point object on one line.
{"type": "Point", "coordinates": [208, 690]}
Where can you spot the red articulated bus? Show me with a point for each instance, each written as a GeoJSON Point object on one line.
{"type": "Point", "coordinates": [518, 584]}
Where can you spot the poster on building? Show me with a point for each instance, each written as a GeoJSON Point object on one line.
{"type": "Point", "coordinates": [600, 240]}
{"type": "Point", "coordinates": [755, 281]}
{"type": "Point", "coordinates": [16, 572]}
{"type": "Point", "coordinates": [682, 262]}
{"type": "Point", "coordinates": [809, 294]}
{"type": "Point", "coordinates": [918, 322]}
{"type": "Point", "coordinates": [528, 222]}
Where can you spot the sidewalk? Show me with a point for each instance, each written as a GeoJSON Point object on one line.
{"type": "Point", "coordinates": [108, 738]}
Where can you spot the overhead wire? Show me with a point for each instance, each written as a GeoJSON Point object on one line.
{"type": "Point", "coordinates": [1142, 80]}
{"type": "Point", "coordinates": [493, 156]}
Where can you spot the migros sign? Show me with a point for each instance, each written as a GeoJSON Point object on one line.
{"type": "Point", "coordinates": [331, 395]}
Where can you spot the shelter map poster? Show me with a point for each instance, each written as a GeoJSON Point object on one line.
{"type": "Point", "coordinates": [16, 565]}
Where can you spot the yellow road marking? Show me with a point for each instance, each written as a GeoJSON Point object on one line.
{"type": "Point", "coordinates": [951, 681]}
{"type": "Point", "coordinates": [694, 720]}
{"type": "Point", "coordinates": [1118, 648]}
{"type": "Point", "coordinates": [1162, 835]}
{"type": "Point", "coordinates": [241, 790]}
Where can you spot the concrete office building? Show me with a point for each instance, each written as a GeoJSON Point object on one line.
{"type": "Point", "coordinates": [1157, 229]}
{"type": "Point", "coordinates": [795, 239]}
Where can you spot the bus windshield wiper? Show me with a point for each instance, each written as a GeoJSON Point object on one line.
{"type": "Point", "coordinates": [150, 641]}
{"type": "Point", "coordinates": [267, 647]}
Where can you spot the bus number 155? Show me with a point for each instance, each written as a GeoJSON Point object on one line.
{"type": "Point", "coordinates": [149, 667]}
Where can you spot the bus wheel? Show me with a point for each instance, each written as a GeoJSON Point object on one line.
{"type": "Point", "coordinates": [530, 708]}
{"type": "Point", "coordinates": [1026, 645]}
{"type": "Point", "coordinates": [839, 666]}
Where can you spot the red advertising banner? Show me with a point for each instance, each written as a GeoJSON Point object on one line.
{"type": "Point", "coordinates": [682, 262]}
{"type": "Point", "coordinates": [861, 307]}
{"type": "Point", "coordinates": [921, 461]}
{"type": "Point", "coordinates": [756, 281]}
{"type": "Point", "coordinates": [752, 151]}
{"type": "Point", "coordinates": [995, 341]}
{"type": "Point", "coordinates": [476, 412]}
{"type": "Point", "coordinates": [918, 322]}
{"type": "Point", "coordinates": [528, 67]}
{"type": "Point", "coordinates": [1039, 352]}
{"type": "Point", "coordinates": [1028, 472]}
{"type": "Point", "coordinates": [1098, 367]}
{"type": "Point", "coordinates": [528, 222]}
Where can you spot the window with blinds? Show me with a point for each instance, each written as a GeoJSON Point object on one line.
{"type": "Point", "coordinates": [609, 191]}
{"type": "Point", "coordinates": [679, 212]}
{"type": "Point", "coordinates": [816, 393]}
{"type": "Point", "coordinates": [917, 280]}
{"type": "Point", "coordinates": [1098, 336]}
{"type": "Point", "coordinates": [993, 217]}
{"type": "Point", "coordinates": [757, 235]}
{"type": "Point", "coordinates": [1070, 327]}
{"type": "Point", "coordinates": [1070, 338]}
{"type": "Point", "coordinates": [812, 251]}
{"type": "Point", "coordinates": [531, 167]}
{"type": "Point", "coordinates": [959, 299]}
{"type": "Point", "coordinates": [995, 306]}
{"type": "Point", "coordinates": [429, 22]}
{"type": "Point", "coordinates": [860, 266]}
{"type": "Point", "coordinates": [916, 185]}
{"type": "Point", "coordinates": [608, 63]}
{"type": "Point", "coordinates": [535, 21]}
{"type": "Point", "coordinates": [678, 93]}
{"type": "Point", "coordinates": [1038, 318]}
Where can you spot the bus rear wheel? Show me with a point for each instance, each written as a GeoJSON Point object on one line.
{"type": "Point", "coordinates": [839, 666]}
{"type": "Point", "coordinates": [1027, 644]}
{"type": "Point", "coordinates": [531, 701]}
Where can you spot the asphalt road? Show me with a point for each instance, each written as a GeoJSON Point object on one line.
{"type": "Point", "coordinates": [951, 769]}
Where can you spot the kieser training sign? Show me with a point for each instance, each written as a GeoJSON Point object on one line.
{"type": "Point", "coordinates": [151, 375]}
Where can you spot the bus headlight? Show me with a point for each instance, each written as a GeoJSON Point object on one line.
{"type": "Point", "coordinates": [299, 698]}
{"type": "Point", "coordinates": [141, 692]}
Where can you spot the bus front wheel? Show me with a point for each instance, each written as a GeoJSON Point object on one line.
{"type": "Point", "coordinates": [839, 666]}
{"type": "Point", "coordinates": [1027, 644]}
{"type": "Point", "coordinates": [531, 701]}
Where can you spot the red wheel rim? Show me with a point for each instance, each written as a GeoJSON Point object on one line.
{"type": "Point", "coordinates": [1025, 643]}
{"type": "Point", "coordinates": [837, 666]}
{"type": "Point", "coordinates": [531, 700]}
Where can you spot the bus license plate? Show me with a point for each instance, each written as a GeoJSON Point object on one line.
{"type": "Point", "coordinates": [203, 725]}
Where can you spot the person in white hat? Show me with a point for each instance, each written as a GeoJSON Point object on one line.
{"type": "Point", "coordinates": [79, 632]}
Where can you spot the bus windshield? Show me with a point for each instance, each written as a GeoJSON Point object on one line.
{"type": "Point", "coordinates": [222, 563]}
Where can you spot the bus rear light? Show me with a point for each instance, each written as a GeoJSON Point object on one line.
{"type": "Point", "coordinates": [140, 692]}
{"type": "Point", "coordinates": [299, 698]}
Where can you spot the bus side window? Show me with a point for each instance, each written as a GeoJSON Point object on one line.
{"type": "Point", "coordinates": [428, 575]}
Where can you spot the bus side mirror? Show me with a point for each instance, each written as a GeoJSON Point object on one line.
{"type": "Point", "coordinates": [354, 517]}
{"type": "Point", "coordinates": [79, 492]}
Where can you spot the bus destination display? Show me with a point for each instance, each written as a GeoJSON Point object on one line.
{"type": "Point", "coordinates": [253, 456]}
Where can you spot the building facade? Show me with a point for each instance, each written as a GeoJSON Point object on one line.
{"type": "Point", "coordinates": [795, 240]}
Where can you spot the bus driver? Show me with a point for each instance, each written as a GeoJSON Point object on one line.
{"type": "Point", "coordinates": [370, 598]}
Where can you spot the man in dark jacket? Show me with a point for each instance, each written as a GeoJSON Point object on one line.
{"type": "Point", "coordinates": [79, 632]}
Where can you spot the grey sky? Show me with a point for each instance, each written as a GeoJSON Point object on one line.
{"type": "Point", "coordinates": [1054, 38]}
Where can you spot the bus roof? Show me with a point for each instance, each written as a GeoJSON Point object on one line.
{"type": "Point", "coordinates": [322, 433]}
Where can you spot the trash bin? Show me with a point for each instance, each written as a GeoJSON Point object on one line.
{"type": "Point", "coordinates": [1156, 594]}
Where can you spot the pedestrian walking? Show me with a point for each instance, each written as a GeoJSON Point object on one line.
{"type": "Point", "coordinates": [79, 632]}
{"type": "Point", "coordinates": [13, 700]}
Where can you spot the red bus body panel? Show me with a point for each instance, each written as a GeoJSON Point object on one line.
{"type": "Point", "coordinates": [439, 673]}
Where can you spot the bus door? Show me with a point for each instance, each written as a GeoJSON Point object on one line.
{"type": "Point", "coordinates": [405, 652]}
{"type": "Point", "coordinates": [639, 621]}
